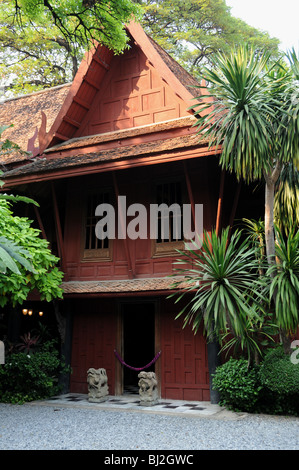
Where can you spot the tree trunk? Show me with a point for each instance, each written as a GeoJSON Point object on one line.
{"type": "Point", "coordinates": [269, 222]}
{"type": "Point", "coordinates": [271, 179]}
{"type": "Point", "coordinates": [286, 342]}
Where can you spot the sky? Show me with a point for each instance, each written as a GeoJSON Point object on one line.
{"type": "Point", "coordinates": [280, 18]}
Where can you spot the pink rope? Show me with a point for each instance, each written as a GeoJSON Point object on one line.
{"type": "Point", "coordinates": [137, 368]}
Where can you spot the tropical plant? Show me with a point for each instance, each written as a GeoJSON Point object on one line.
{"type": "Point", "coordinates": [10, 252]}
{"type": "Point", "coordinates": [44, 276]}
{"type": "Point", "coordinates": [254, 117]}
{"type": "Point", "coordinates": [284, 287]}
{"type": "Point", "coordinates": [222, 278]}
{"type": "Point", "coordinates": [286, 204]}
{"type": "Point", "coordinates": [258, 333]}
{"type": "Point", "coordinates": [26, 377]}
{"type": "Point", "coordinates": [26, 262]}
{"type": "Point", "coordinates": [28, 342]}
{"type": "Point", "coordinates": [255, 230]}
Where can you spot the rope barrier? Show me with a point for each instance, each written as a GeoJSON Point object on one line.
{"type": "Point", "coordinates": [137, 368]}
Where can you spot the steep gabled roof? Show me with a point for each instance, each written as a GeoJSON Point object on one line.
{"type": "Point", "coordinates": [92, 71]}
{"type": "Point", "coordinates": [73, 116]}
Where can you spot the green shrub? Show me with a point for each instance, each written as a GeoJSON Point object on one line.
{"type": "Point", "coordinates": [280, 380]}
{"type": "Point", "coordinates": [279, 374]}
{"type": "Point", "coordinates": [238, 385]}
{"type": "Point", "coordinates": [27, 377]}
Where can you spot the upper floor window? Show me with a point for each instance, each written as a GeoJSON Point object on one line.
{"type": "Point", "coordinates": [170, 222]}
{"type": "Point", "coordinates": [95, 247]}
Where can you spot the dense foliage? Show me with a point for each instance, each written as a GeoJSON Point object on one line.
{"type": "Point", "coordinates": [42, 43]}
{"type": "Point", "coordinates": [44, 276]}
{"type": "Point", "coordinates": [193, 30]}
{"type": "Point", "coordinates": [31, 375]}
{"type": "Point", "coordinates": [238, 385]}
{"type": "Point", "coordinates": [271, 387]}
{"type": "Point", "coordinates": [26, 262]}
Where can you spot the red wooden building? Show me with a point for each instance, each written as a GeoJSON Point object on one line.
{"type": "Point", "coordinates": [124, 127]}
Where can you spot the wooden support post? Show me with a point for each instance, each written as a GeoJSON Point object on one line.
{"type": "Point", "coordinates": [58, 231]}
{"type": "Point", "coordinates": [190, 193]}
{"type": "Point", "coordinates": [40, 223]}
{"type": "Point", "coordinates": [39, 219]}
{"type": "Point", "coordinates": [220, 203]}
{"type": "Point", "coordinates": [124, 229]}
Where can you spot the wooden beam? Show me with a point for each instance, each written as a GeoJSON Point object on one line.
{"type": "Point", "coordinates": [71, 121]}
{"type": "Point", "coordinates": [81, 102]}
{"type": "Point", "coordinates": [61, 137]}
{"type": "Point", "coordinates": [92, 83]}
{"type": "Point", "coordinates": [124, 229]}
{"type": "Point", "coordinates": [220, 202]}
{"type": "Point", "coordinates": [101, 62]}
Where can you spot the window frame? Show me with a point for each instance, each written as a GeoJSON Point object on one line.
{"type": "Point", "coordinates": [95, 254]}
{"type": "Point", "coordinates": [168, 248]}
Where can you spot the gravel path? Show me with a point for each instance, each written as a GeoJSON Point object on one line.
{"type": "Point", "coordinates": [29, 427]}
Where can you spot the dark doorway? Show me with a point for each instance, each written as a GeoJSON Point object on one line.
{"type": "Point", "coordinates": [138, 341]}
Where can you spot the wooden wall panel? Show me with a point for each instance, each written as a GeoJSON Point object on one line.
{"type": "Point", "coordinates": [184, 366]}
{"type": "Point", "coordinates": [94, 339]}
{"type": "Point", "coordinates": [132, 94]}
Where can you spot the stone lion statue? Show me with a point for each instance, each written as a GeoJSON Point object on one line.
{"type": "Point", "coordinates": [97, 381]}
{"type": "Point", "coordinates": [148, 390]}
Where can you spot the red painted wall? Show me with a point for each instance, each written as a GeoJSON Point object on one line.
{"type": "Point", "coordinates": [184, 362]}
{"type": "Point", "coordinates": [94, 330]}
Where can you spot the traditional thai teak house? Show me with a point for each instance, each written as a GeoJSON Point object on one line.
{"type": "Point", "coordinates": [124, 127]}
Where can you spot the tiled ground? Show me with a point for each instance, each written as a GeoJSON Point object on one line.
{"type": "Point", "coordinates": [131, 401]}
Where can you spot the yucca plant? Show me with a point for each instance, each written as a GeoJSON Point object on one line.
{"type": "Point", "coordinates": [255, 230]}
{"type": "Point", "coordinates": [223, 282]}
{"type": "Point", "coordinates": [286, 205]}
{"type": "Point", "coordinates": [258, 333]}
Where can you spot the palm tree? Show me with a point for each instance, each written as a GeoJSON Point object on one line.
{"type": "Point", "coordinates": [254, 117]}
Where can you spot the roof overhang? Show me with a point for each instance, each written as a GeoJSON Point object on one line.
{"type": "Point", "coordinates": [125, 287]}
